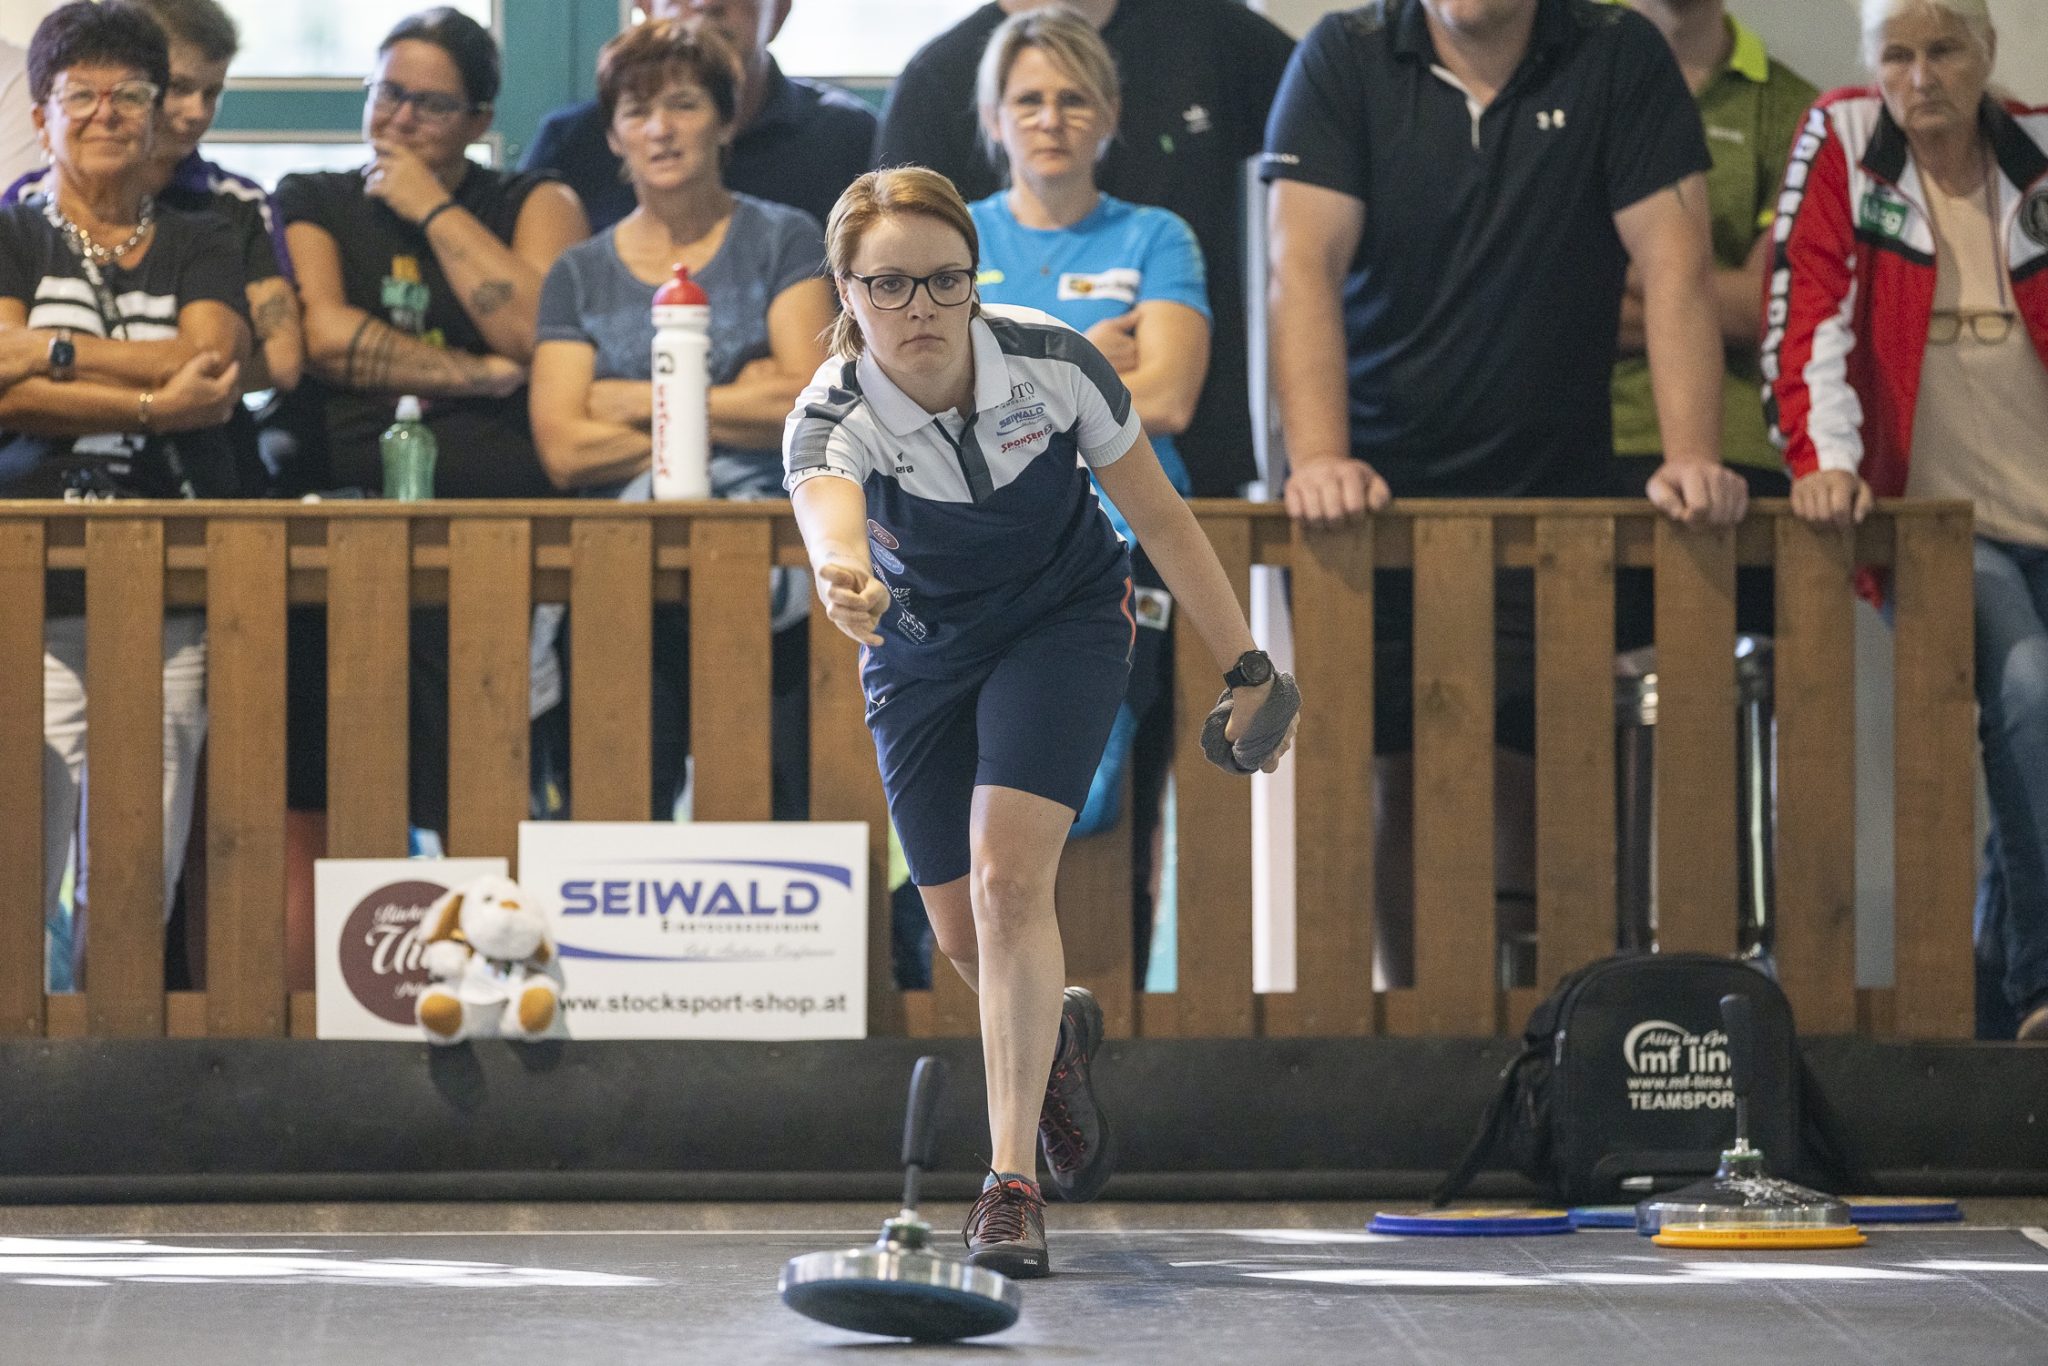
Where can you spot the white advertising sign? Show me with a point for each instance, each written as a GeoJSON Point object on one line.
{"type": "Point", "coordinates": [366, 921]}
{"type": "Point", "coordinates": [701, 930]}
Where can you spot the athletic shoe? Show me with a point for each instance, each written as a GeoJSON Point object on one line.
{"type": "Point", "coordinates": [1073, 1133]}
{"type": "Point", "coordinates": [2034, 1029]}
{"type": "Point", "coordinates": [1006, 1229]}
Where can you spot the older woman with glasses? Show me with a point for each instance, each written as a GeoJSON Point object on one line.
{"type": "Point", "coordinates": [672, 91]}
{"type": "Point", "coordinates": [121, 330]}
{"type": "Point", "coordinates": [1908, 326]}
{"type": "Point", "coordinates": [1130, 277]}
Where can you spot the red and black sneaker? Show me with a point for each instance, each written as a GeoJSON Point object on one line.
{"type": "Point", "coordinates": [1073, 1133]}
{"type": "Point", "coordinates": [1006, 1229]}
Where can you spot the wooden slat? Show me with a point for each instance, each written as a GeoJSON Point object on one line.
{"type": "Point", "coordinates": [1158, 1014]}
{"type": "Point", "coordinates": [245, 615]}
{"type": "Point", "coordinates": [1814, 659]}
{"type": "Point", "coordinates": [1877, 1015]}
{"type": "Point", "coordinates": [368, 668]}
{"type": "Point", "coordinates": [1333, 900]}
{"type": "Point", "coordinates": [185, 1011]}
{"type": "Point", "coordinates": [1695, 777]}
{"type": "Point", "coordinates": [1933, 748]}
{"type": "Point", "coordinates": [846, 786]}
{"type": "Point", "coordinates": [611, 647]}
{"type": "Point", "coordinates": [21, 777]}
{"type": "Point", "coordinates": [1213, 815]}
{"type": "Point", "coordinates": [1455, 972]}
{"type": "Point", "coordinates": [729, 670]}
{"type": "Point", "coordinates": [65, 1015]}
{"type": "Point", "coordinates": [305, 1015]}
{"type": "Point", "coordinates": [1093, 898]}
{"type": "Point", "coordinates": [1399, 1013]}
{"type": "Point", "coordinates": [124, 746]}
{"type": "Point", "coordinates": [490, 612]}
{"type": "Point", "coordinates": [1575, 864]}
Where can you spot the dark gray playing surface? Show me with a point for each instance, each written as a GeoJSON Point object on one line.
{"type": "Point", "coordinates": [1223, 1284]}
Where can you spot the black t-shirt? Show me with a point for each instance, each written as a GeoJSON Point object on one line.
{"type": "Point", "coordinates": [390, 272]}
{"type": "Point", "coordinates": [1198, 78]}
{"type": "Point", "coordinates": [803, 149]}
{"type": "Point", "coordinates": [1481, 311]}
{"type": "Point", "coordinates": [192, 258]}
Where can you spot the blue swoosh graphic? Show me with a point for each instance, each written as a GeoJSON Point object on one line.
{"type": "Point", "coordinates": [571, 951]}
{"type": "Point", "coordinates": [830, 871]}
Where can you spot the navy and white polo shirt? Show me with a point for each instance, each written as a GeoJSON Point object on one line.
{"type": "Point", "coordinates": [980, 525]}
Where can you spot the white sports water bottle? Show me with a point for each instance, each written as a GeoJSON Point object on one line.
{"type": "Point", "coordinates": [682, 389]}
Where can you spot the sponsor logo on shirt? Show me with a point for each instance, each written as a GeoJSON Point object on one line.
{"type": "Point", "coordinates": [405, 296]}
{"type": "Point", "coordinates": [1196, 118]}
{"type": "Point", "coordinates": [1881, 212]}
{"type": "Point", "coordinates": [1716, 133]}
{"type": "Point", "coordinates": [1011, 422]}
{"type": "Point", "coordinates": [989, 276]}
{"type": "Point", "coordinates": [1041, 434]}
{"type": "Point", "coordinates": [1550, 120]}
{"type": "Point", "coordinates": [880, 533]}
{"type": "Point", "coordinates": [1120, 284]}
{"type": "Point", "coordinates": [1023, 389]}
{"type": "Point", "coordinates": [2034, 218]}
{"type": "Point", "coordinates": [883, 558]}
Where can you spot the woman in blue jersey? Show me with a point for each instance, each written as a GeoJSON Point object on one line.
{"type": "Point", "coordinates": [1129, 277]}
{"type": "Point", "coordinates": [935, 465]}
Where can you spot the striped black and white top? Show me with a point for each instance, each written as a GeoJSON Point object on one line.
{"type": "Point", "coordinates": [191, 259]}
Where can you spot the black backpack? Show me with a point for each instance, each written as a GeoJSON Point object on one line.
{"type": "Point", "coordinates": [1623, 1078]}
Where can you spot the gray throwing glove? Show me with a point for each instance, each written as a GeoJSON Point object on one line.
{"type": "Point", "coordinates": [1261, 739]}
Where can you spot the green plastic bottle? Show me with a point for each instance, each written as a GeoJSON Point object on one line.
{"type": "Point", "coordinates": [408, 452]}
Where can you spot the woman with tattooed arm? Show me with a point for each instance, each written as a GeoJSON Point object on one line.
{"type": "Point", "coordinates": [421, 272]}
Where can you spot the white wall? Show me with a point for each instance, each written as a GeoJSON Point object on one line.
{"type": "Point", "coordinates": [1818, 38]}
{"type": "Point", "coordinates": [18, 18]}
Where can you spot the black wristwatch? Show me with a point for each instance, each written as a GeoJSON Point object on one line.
{"type": "Point", "coordinates": [1253, 669]}
{"type": "Point", "coordinates": [63, 357]}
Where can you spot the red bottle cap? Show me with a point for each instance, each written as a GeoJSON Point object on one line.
{"type": "Point", "coordinates": [681, 292]}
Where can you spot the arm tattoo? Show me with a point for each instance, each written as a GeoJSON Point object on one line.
{"type": "Point", "coordinates": [490, 296]}
{"type": "Point", "coordinates": [348, 364]}
{"type": "Point", "coordinates": [270, 316]}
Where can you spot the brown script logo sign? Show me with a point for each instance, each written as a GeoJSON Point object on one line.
{"type": "Point", "coordinates": [380, 948]}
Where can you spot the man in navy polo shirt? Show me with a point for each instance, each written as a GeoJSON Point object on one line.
{"type": "Point", "coordinates": [1459, 187]}
{"type": "Point", "coordinates": [798, 142]}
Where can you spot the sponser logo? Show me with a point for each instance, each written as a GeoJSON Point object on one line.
{"type": "Point", "coordinates": [1672, 1068]}
{"type": "Point", "coordinates": [380, 948]}
{"type": "Point", "coordinates": [1041, 434]}
{"type": "Point", "coordinates": [704, 889]}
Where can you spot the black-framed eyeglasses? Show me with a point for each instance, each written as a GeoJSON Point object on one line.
{"type": "Point", "coordinates": [1990, 329]}
{"type": "Point", "coordinates": [947, 288]}
{"type": "Point", "coordinates": [433, 106]}
{"type": "Point", "coordinates": [129, 98]}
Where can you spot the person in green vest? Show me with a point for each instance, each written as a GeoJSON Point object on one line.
{"type": "Point", "coordinates": [1752, 107]}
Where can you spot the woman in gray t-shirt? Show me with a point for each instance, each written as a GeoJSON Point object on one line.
{"type": "Point", "coordinates": [670, 91]}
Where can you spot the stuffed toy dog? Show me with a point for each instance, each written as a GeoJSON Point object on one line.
{"type": "Point", "coordinates": [493, 962]}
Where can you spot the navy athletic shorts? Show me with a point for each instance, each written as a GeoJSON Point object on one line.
{"type": "Point", "coordinates": [1035, 718]}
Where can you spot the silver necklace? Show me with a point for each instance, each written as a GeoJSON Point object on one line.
{"type": "Point", "coordinates": [81, 241]}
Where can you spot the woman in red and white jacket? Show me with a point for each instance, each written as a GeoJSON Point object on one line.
{"type": "Point", "coordinates": [1906, 330]}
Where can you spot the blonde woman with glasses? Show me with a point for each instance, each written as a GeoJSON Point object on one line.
{"type": "Point", "coordinates": [1907, 322]}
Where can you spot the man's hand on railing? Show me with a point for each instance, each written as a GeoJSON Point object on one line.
{"type": "Point", "coordinates": [200, 393]}
{"type": "Point", "coordinates": [1698, 494]}
{"type": "Point", "coordinates": [1335, 489]}
{"type": "Point", "coordinates": [854, 599]}
{"type": "Point", "coordinates": [1834, 498]}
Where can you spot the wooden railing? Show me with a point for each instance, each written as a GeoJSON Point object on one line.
{"type": "Point", "coordinates": [489, 562]}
